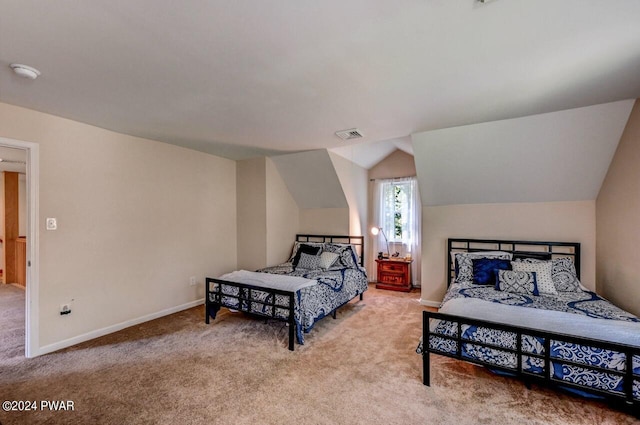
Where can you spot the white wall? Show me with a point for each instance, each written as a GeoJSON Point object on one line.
{"type": "Point", "coordinates": [268, 216]}
{"type": "Point", "coordinates": [136, 219]}
{"type": "Point", "coordinates": [329, 190]}
{"type": "Point", "coordinates": [546, 221]}
{"type": "Point", "coordinates": [283, 217]}
{"type": "Point", "coordinates": [324, 221]}
{"type": "Point", "coordinates": [353, 180]}
{"type": "Point", "coordinates": [618, 222]}
{"type": "Point", "coordinates": [252, 214]}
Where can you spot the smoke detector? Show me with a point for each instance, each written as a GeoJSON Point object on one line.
{"type": "Point", "coordinates": [352, 133]}
{"type": "Point", "coordinates": [25, 71]}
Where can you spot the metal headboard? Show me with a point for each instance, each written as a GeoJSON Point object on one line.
{"type": "Point", "coordinates": [519, 249]}
{"type": "Point", "coordinates": [356, 241]}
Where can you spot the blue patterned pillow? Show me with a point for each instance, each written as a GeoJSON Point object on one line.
{"type": "Point", "coordinates": [347, 257]}
{"type": "Point", "coordinates": [464, 262]}
{"type": "Point", "coordinates": [483, 270]}
{"type": "Point", "coordinates": [563, 274]}
{"type": "Point", "coordinates": [517, 282]}
{"type": "Point", "coordinates": [308, 261]}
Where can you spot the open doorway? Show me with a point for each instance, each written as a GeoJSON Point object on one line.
{"type": "Point", "coordinates": [18, 247]}
{"type": "Point", "coordinates": [13, 265]}
{"type": "Point", "coordinates": [13, 216]}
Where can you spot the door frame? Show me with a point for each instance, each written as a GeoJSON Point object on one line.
{"type": "Point", "coordinates": [32, 296]}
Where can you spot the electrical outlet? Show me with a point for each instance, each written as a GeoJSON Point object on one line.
{"type": "Point", "coordinates": [192, 281]}
{"type": "Point", "coordinates": [65, 309]}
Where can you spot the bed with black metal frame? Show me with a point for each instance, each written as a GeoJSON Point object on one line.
{"type": "Point", "coordinates": [629, 377]}
{"type": "Point", "coordinates": [272, 302]}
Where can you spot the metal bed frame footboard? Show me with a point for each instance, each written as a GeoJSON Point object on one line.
{"type": "Point", "coordinates": [245, 299]}
{"type": "Point", "coordinates": [547, 377]}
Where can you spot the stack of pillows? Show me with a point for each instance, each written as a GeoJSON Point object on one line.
{"type": "Point", "coordinates": [524, 276]}
{"type": "Point", "coordinates": [325, 256]}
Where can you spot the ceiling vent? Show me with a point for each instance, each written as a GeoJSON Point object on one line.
{"type": "Point", "coordinates": [353, 133]}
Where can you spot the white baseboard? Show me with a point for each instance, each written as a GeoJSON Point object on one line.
{"type": "Point", "coordinates": [114, 328]}
{"type": "Point", "coordinates": [428, 303]}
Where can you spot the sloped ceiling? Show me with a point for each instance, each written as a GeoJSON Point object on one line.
{"type": "Point", "coordinates": [560, 156]}
{"type": "Point", "coordinates": [248, 78]}
{"type": "Point", "coordinates": [311, 179]}
{"type": "Point", "coordinates": [367, 155]}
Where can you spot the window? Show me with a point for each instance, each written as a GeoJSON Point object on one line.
{"type": "Point", "coordinates": [397, 212]}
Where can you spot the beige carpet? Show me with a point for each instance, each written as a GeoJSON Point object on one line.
{"type": "Point", "coordinates": [358, 369]}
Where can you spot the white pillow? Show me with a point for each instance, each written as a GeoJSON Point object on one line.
{"type": "Point", "coordinates": [543, 275]}
{"type": "Point", "coordinates": [327, 259]}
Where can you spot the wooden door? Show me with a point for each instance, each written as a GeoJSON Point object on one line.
{"type": "Point", "coordinates": [11, 229]}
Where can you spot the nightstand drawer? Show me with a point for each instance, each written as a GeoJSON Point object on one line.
{"type": "Point", "coordinates": [397, 279]}
{"type": "Point", "coordinates": [392, 267]}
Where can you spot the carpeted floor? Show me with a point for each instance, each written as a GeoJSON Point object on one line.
{"type": "Point", "coordinates": [358, 369]}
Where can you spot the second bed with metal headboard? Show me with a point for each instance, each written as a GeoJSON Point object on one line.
{"type": "Point", "coordinates": [290, 293]}
{"type": "Point", "coordinates": [567, 337]}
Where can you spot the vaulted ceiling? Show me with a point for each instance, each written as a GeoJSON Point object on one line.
{"type": "Point", "coordinates": [559, 156]}
{"type": "Point", "coordinates": [312, 179]}
{"type": "Point", "coordinates": [242, 79]}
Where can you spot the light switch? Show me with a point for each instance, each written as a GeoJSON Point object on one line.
{"type": "Point", "coordinates": [52, 224]}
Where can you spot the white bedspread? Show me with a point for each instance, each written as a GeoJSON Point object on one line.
{"type": "Point", "coordinates": [547, 320]}
{"type": "Point", "coordinates": [267, 280]}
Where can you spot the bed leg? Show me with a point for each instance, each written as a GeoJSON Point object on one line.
{"type": "Point", "coordinates": [361, 297]}
{"type": "Point", "coordinates": [211, 311]}
{"type": "Point", "coordinates": [426, 369]}
{"type": "Point", "coordinates": [206, 304]}
{"type": "Point", "coordinates": [334, 314]}
{"type": "Point", "coordinates": [292, 327]}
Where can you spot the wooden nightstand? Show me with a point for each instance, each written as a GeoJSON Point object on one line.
{"type": "Point", "coordinates": [394, 275]}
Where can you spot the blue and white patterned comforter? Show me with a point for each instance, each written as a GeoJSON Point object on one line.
{"type": "Point", "coordinates": [335, 287]}
{"type": "Point", "coordinates": [582, 313]}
